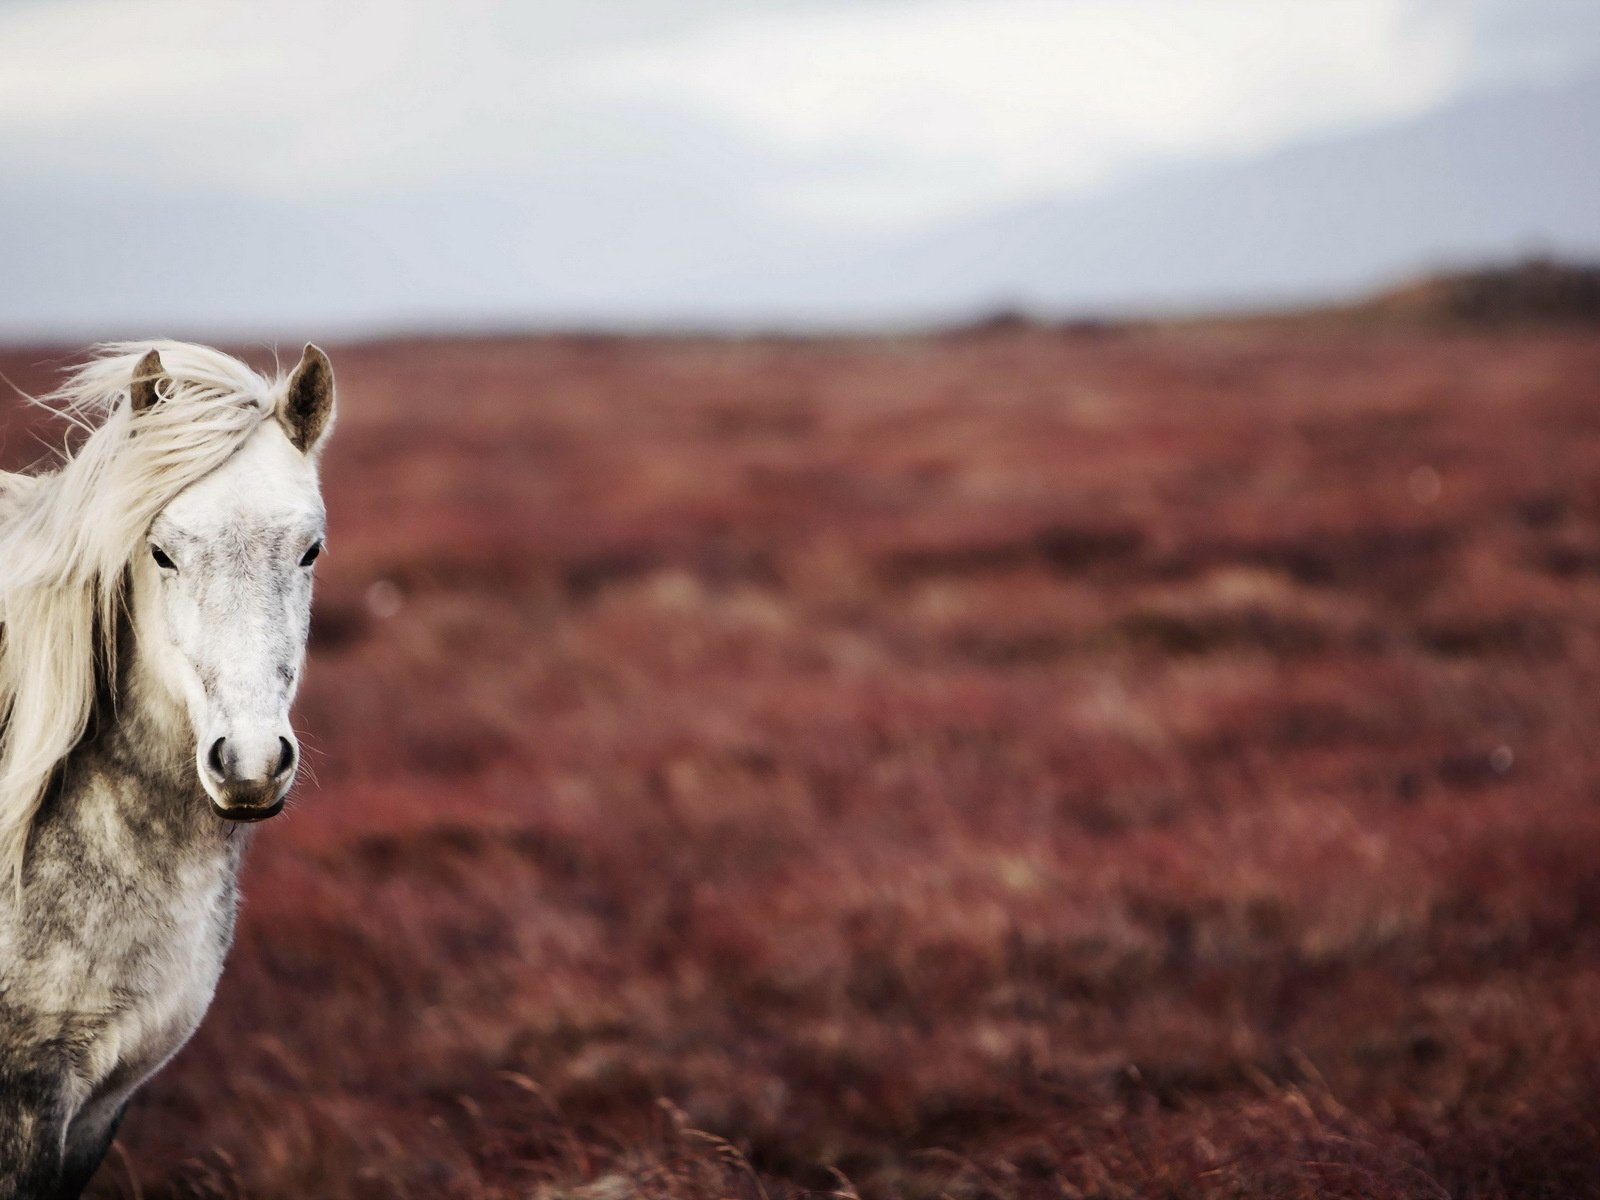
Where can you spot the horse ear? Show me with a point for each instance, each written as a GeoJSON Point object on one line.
{"type": "Point", "coordinates": [142, 392]}
{"type": "Point", "coordinates": [308, 408]}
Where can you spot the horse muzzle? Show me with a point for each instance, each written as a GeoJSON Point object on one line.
{"type": "Point", "coordinates": [241, 794]}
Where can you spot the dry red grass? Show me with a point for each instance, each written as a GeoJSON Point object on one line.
{"type": "Point", "coordinates": [1023, 763]}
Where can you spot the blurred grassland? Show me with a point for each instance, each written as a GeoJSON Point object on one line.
{"type": "Point", "coordinates": [1150, 762]}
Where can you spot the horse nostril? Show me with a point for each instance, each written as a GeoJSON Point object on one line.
{"type": "Point", "coordinates": [214, 759]}
{"type": "Point", "coordinates": [285, 759]}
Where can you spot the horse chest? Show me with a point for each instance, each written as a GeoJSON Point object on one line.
{"type": "Point", "coordinates": [161, 963]}
{"type": "Point", "coordinates": [127, 976]}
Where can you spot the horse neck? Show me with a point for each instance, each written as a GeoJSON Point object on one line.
{"type": "Point", "coordinates": [148, 725]}
{"type": "Point", "coordinates": [138, 756]}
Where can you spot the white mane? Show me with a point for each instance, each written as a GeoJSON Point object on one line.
{"type": "Point", "coordinates": [68, 535]}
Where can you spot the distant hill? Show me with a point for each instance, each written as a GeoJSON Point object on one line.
{"type": "Point", "coordinates": [1490, 178]}
{"type": "Point", "coordinates": [1539, 290]}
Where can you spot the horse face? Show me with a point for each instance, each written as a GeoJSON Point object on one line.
{"type": "Point", "coordinates": [223, 608]}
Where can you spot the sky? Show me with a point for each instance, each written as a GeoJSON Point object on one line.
{"type": "Point", "coordinates": [200, 165]}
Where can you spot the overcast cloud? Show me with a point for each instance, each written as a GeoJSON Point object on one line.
{"type": "Point", "coordinates": [563, 160]}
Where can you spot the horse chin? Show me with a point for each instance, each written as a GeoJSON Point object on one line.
{"type": "Point", "coordinates": [251, 814]}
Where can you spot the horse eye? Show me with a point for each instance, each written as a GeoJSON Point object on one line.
{"type": "Point", "coordinates": [162, 559]}
{"type": "Point", "coordinates": [310, 556]}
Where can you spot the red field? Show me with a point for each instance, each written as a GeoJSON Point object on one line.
{"type": "Point", "coordinates": [1025, 763]}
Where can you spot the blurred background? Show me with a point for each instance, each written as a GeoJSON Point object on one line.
{"type": "Point", "coordinates": [925, 599]}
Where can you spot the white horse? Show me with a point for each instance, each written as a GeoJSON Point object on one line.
{"type": "Point", "coordinates": [155, 595]}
